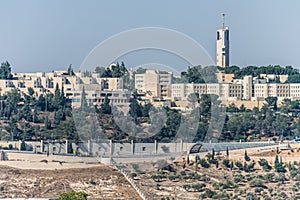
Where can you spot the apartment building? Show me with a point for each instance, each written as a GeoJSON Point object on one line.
{"type": "Point", "coordinates": [225, 91]}
{"type": "Point", "coordinates": [96, 88]}
{"type": "Point", "coordinates": [180, 92]}
{"type": "Point", "coordinates": [154, 84]}
{"type": "Point", "coordinates": [224, 78]}
{"type": "Point", "coordinates": [295, 91]}
{"type": "Point", "coordinates": [279, 90]}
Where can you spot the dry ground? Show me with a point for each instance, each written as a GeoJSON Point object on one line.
{"type": "Point", "coordinates": [174, 189]}
{"type": "Point", "coordinates": [98, 182]}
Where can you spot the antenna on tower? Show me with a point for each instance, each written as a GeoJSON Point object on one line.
{"type": "Point", "coordinates": [223, 20]}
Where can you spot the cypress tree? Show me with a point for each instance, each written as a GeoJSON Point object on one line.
{"type": "Point", "coordinates": [247, 158]}
{"type": "Point", "coordinates": [83, 101]}
{"type": "Point", "coordinates": [227, 152]}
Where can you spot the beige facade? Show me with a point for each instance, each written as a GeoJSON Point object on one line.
{"type": "Point", "coordinates": [182, 91]}
{"type": "Point", "coordinates": [225, 91]}
{"type": "Point", "coordinates": [42, 83]}
{"type": "Point", "coordinates": [295, 91]}
{"type": "Point", "coordinates": [272, 77]}
{"type": "Point", "coordinates": [280, 90]}
{"type": "Point", "coordinates": [225, 78]}
{"type": "Point", "coordinates": [247, 87]}
{"type": "Point", "coordinates": [154, 84]}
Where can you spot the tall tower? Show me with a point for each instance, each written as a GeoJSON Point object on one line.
{"type": "Point", "coordinates": [222, 54]}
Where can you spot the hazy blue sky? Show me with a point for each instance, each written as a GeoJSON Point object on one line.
{"type": "Point", "coordinates": [50, 34]}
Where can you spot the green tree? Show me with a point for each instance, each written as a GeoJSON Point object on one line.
{"type": "Point", "coordinates": [5, 71]}
{"type": "Point", "coordinates": [278, 165]}
{"type": "Point", "coordinates": [70, 71]}
{"type": "Point", "coordinates": [272, 102]}
{"type": "Point", "coordinates": [83, 100]}
{"type": "Point", "coordinates": [30, 91]}
{"type": "Point", "coordinates": [59, 98]}
{"type": "Point", "coordinates": [105, 107]}
{"type": "Point", "coordinates": [246, 157]}
{"type": "Point", "coordinates": [264, 164]}
{"type": "Point", "coordinates": [227, 152]}
{"type": "Point", "coordinates": [135, 109]}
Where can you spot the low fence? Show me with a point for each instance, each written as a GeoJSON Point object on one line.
{"type": "Point", "coordinates": [130, 180]}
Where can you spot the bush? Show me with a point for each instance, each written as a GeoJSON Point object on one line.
{"type": "Point", "coordinates": [221, 195]}
{"type": "Point", "coordinates": [281, 178]}
{"type": "Point", "coordinates": [23, 146]}
{"type": "Point", "coordinates": [203, 163]}
{"type": "Point", "coordinates": [256, 183]}
{"type": "Point", "coordinates": [297, 177]}
{"type": "Point", "coordinates": [258, 190]}
{"type": "Point", "coordinates": [135, 167]}
{"type": "Point", "coordinates": [249, 167]}
{"type": "Point", "coordinates": [264, 164]}
{"type": "Point", "coordinates": [238, 178]}
{"type": "Point", "coordinates": [133, 175]}
{"type": "Point", "coordinates": [269, 177]}
{"type": "Point", "coordinates": [158, 177]}
{"type": "Point", "coordinates": [174, 177]}
{"type": "Point", "coordinates": [226, 163]}
{"type": "Point", "coordinates": [239, 165]}
{"type": "Point", "coordinates": [207, 194]}
{"type": "Point", "coordinates": [72, 195]}
{"type": "Point", "coordinates": [251, 196]}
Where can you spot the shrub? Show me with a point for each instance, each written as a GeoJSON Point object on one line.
{"type": "Point", "coordinates": [270, 190]}
{"type": "Point", "coordinates": [196, 187]}
{"type": "Point", "coordinates": [72, 195]}
{"type": "Point", "coordinates": [133, 175]}
{"type": "Point", "coordinates": [238, 178]}
{"type": "Point", "coordinates": [194, 175]}
{"type": "Point", "coordinates": [269, 177]}
{"type": "Point", "coordinates": [23, 146]}
{"type": "Point", "coordinates": [264, 164]}
{"type": "Point", "coordinates": [239, 165]}
{"type": "Point", "coordinates": [207, 194]}
{"type": "Point", "coordinates": [165, 149]}
{"type": "Point", "coordinates": [221, 195]}
{"type": "Point", "coordinates": [209, 156]}
{"type": "Point", "coordinates": [256, 183]}
{"type": "Point", "coordinates": [258, 190]}
{"type": "Point", "coordinates": [203, 163]}
{"type": "Point", "coordinates": [174, 177]}
{"type": "Point", "coordinates": [281, 178]}
{"type": "Point", "coordinates": [158, 177]}
{"type": "Point", "coordinates": [183, 174]}
{"type": "Point", "coordinates": [251, 196]}
{"type": "Point", "coordinates": [135, 167]}
{"type": "Point", "coordinates": [291, 167]}
{"type": "Point", "coordinates": [297, 177]}
{"type": "Point", "coordinates": [226, 163]}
